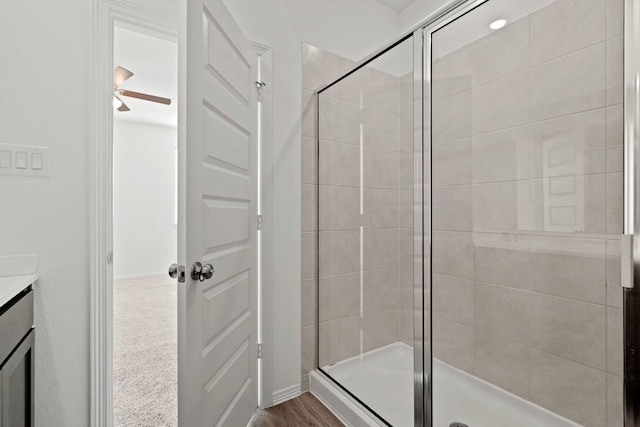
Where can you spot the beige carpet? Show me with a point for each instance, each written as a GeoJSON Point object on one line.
{"type": "Point", "coordinates": [145, 352]}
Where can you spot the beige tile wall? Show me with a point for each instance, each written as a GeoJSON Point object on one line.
{"type": "Point", "coordinates": [527, 206]}
{"type": "Point", "coordinates": [352, 322]}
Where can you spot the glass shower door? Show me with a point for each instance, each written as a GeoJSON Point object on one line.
{"type": "Point", "coordinates": [526, 136]}
{"type": "Point", "coordinates": [366, 234]}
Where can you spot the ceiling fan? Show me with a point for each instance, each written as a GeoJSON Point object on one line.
{"type": "Point", "coordinates": [121, 74]}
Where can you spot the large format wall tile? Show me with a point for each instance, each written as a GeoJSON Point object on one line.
{"type": "Point", "coordinates": [380, 208]}
{"type": "Point", "coordinates": [453, 254]}
{"type": "Point", "coordinates": [502, 156]}
{"type": "Point", "coordinates": [615, 55]}
{"type": "Point", "coordinates": [309, 160]}
{"type": "Point", "coordinates": [380, 288]}
{"type": "Point", "coordinates": [452, 208]}
{"type": "Point", "coordinates": [308, 203]}
{"type": "Point", "coordinates": [568, 145]}
{"type": "Point", "coordinates": [308, 296]}
{"type": "Point", "coordinates": [615, 341]}
{"type": "Point", "coordinates": [570, 329]}
{"type": "Point", "coordinates": [614, 289]}
{"type": "Point", "coordinates": [381, 328]}
{"type": "Point", "coordinates": [405, 209]}
{"type": "Point", "coordinates": [495, 206]}
{"type": "Point", "coordinates": [453, 344]}
{"type": "Point", "coordinates": [451, 163]}
{"type": "Point", "coordinates": [570, 84]}
{"type": "Point", "coordinates": [380, 169]}
{"type": "Point", "coordinates": [615, 409]}
{"type": "Point", "coordinates": [308, 255]}
{"type": "Point", "coordinates": [339, 164]}
{"type": "Point", "coordinates": [339, 120]}
{"type": "Point", "coordinates": [503, 363]}
{"type": "Point", "coordinates": [501, 53]}
{"type": "Point", "coordinates": [347, 217]}
{"type": "Point", "coordinates": [381, 248]}
{"type": "Point", "coordinates": [512, 108]}
{"type": "Point", "coordinates": [615, 203]}
{"type": "Point", "coordinates": [451, 118]}
{"type": "Point", "coordinates": [575, 391]}
{"type": "Point", "coordinates": [571, 268]}
{"type": "Point", "coordinates": [453, 299]}
{"type": "Point", "coordinates": [308, 343]}
{"type": "Point", "coordinates": [501, 259]}
{"type": "Point", "coordinates": [382, 92]}
{"type": "Point", "coordinates": [339, 339]}
{"type": "Point", "coordinates": [502, 311]}
{"type": "Point", "coordinates": [339, 296]}
{"type": "Point", "coordinates": [380, 129]}
{"type": "Point", "coordinates": [615, 18]}
{"type": "Point", "coordinates": [565, 26]}
{"type": "Point", "coordinates": [339, 252]}
{"type": "Point", "coordinates": [451, 73]}
{"type": "Point", "coordinates": [308, 116]}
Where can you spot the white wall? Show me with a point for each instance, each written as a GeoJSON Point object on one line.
{"type": "Point", "coordinates": [45, 49]}
{"type": "Point", "coordinates": [144, 231]}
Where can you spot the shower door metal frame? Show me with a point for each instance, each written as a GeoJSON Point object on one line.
{"type": "Point", "coordinates": [442, 18]}
{"type": "Point", "coordinates": [423, 361]}
{"type": "Point", "coordinates": [420, 361]}
{"type": "Point", "coordinates": [631, 298]}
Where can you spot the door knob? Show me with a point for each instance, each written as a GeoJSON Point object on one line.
{"type": "Point", "coordinates": [176, 270]}
{"type": "Point", "coordinates": [200, 272]}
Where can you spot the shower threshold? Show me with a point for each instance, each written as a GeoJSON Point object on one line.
{"type": "Point", "coordinates": [383, 380]}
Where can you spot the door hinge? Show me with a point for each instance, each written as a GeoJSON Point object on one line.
{"type": "Point", "coordinates": [260, 88]}
{"type": "Point", "coordinates": [259, 350]}
{"type": "Point", "coordinates": [259, 222]}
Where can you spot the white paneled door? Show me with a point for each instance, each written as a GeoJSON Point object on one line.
{"type": "Point", "coordinates": [217, 357]}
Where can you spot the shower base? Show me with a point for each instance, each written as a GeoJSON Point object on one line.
{"type": "Point", "coordinates": [383, 380]}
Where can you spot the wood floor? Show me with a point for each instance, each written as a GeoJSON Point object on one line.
{"type": "Point", "coordinates": [305, 410]}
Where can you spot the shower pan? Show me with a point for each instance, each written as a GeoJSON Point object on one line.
{"type": "Point", "coordinates": [473, 183]}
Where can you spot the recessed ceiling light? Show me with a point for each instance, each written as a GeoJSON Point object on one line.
{"type": "Point", "coordinates": [497, 24]}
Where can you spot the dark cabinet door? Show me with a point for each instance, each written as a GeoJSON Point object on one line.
{"type": "Point", "coordinates": [17, 385]}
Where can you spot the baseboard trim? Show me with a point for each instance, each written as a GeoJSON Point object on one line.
{"type": "Point", "coordinates": [285, 394]}
{"type": "Point", "coordinates": [138, 276]}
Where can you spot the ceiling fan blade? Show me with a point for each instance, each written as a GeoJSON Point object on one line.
{"type": "Point", "coordinates": [120, 74]}
{"type": "Point", "coordinates": [144, 96]}
{"type": "Point", "coordinates": [124, 107]}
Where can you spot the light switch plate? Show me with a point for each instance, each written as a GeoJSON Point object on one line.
{"type": "Point", "coordinates": [5, 159]}
{"type": "Point", "coordinates": [24, 160]}
{"type": "Point", "coordinates": [21, 160]}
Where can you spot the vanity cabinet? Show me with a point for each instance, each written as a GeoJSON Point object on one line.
{"type": "Point", "coordinates": [17, 355]}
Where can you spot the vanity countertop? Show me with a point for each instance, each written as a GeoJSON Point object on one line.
{"type": "Point", "coordinates": [10, 286]}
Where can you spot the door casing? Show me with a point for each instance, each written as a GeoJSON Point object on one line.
{"type": "Point", "coordinates": [106, 14]}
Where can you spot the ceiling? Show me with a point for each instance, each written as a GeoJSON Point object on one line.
{"type": "Point", "coordinates": [154, 64]}
{"type": "Point", "coordinates": [397, 5]}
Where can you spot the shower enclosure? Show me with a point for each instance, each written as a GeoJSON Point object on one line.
{"type": "Point", "coordinates": [470, 205]}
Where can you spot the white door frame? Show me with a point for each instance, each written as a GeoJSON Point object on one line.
{"type": "Point", "coordinates": [106, 13]}
{"type": "Point", "coordinates": [265, 290]}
